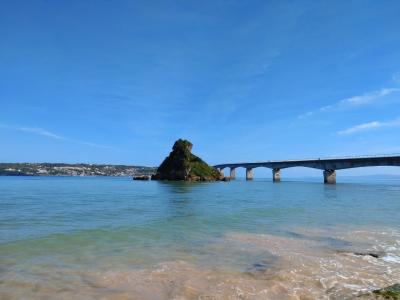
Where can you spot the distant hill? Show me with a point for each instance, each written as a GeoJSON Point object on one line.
{"type": "Point", "coordinates": [60, 169]}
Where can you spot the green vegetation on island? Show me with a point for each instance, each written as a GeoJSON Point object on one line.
{"type": "Point", "coordinates": [181, 164]}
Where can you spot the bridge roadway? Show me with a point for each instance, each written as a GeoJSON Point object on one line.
{"type": "Point", "coordinates": [328, 165]}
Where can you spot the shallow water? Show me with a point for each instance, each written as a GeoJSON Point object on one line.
{"type": "Point", "coordinates": [114, 238]}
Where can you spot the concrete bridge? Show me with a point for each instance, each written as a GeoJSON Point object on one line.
{"type": "Point", "coordinates": [328, 165]}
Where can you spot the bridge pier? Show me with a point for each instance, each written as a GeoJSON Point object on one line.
{"type": "Point", "coordinates": [249, 173]}
{"type": "Point", "coordinates": [221, 171]}
{"type": "Point", "coordinates": [330, 176]}
{"type": "Point", "coordinates": [276, 175]}
{"type": "Point", "coordinates": [233, 173]}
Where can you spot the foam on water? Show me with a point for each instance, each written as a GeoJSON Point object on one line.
{"type": "Point", "coordinates": [392, 258]}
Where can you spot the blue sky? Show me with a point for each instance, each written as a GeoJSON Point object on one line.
{"type": "Point", "coordinates": [119, 81]}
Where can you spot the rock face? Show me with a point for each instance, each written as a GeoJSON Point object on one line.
{"type": "Point", "coordinates": [181, 164]}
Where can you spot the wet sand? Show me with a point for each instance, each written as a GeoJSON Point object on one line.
{"type": "Point", "coordinates": [301, 264]}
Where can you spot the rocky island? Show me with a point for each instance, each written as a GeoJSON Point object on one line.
{"type": "Point", "coordinates": [181, 164]}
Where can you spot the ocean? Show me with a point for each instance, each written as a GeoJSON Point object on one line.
{"type": "Point", "coordinates": [115, 238]}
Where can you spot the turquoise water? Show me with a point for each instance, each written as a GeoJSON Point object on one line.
{"type": "Point", "coordinates": [54, 229]}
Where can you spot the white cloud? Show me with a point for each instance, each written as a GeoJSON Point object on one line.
{"type": "Point", "coordinates": [369, 126]}
{"type": "Point", "coordinates": [354, 101]}
{"type": "Point", "coordinates": [366, 98]}
{"type": "Point", "coordinates": [48, 134]}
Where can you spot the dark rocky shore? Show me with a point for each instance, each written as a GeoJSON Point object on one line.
{"type": "Point", "coordinates": [391, 292]}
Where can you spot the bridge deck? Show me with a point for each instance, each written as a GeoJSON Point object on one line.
{"type": "Point", "coordinates": [321, 163]}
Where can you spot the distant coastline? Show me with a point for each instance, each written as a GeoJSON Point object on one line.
{"type": "Point", "coordinates": [64, 169]}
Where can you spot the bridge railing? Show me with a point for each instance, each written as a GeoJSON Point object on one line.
{"type": "Point", "coordinates": [342, 157]}
{"type": "Point", "coordinates": [359, 156]}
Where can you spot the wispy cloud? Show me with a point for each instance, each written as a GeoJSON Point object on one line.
{"type": "Point", "coordinates": [354, 101]}
{"type": "Point", "coordinates": [369, 126]}
{"type": "Point", "coordinates": [39, 131]}
{"type": "Point", "coordinates": [51, 135]}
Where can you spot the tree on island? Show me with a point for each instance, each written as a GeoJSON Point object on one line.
{"type": "Point", "coordinates": [181, 164]}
